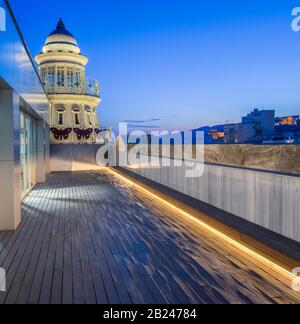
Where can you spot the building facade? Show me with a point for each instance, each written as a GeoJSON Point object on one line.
{"type": "Point", "coordinates": [288, 128]}
{"type": "Point", "coordinates": [256, 127]}
{"type": "Point", "coordinates": [74, 98]}
{"type": "Point", "coordinates": [263, 123]}
{"type": "Point", "coordinates": [24, 123]}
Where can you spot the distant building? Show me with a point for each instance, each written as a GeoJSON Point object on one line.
{"type": "Point", "coordinates": [212, 134]}
{"type": "Point", "coordinates": [289, 120]}
{"type": "Point", "coordinates": [263, 122]}
{"type": "Point", "coordinates": [288, 128]}
{"type": "Point", "coordinates": [256, 127]}
{"type": "Point", "coordinates": [74, 97]}
{"type": "Point", "coordinates": [238, 133]}
{"type": "Point", "coordinates": [216, 135]}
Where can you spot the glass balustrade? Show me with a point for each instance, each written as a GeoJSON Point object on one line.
{"type": "Point", "coordinates": [28, 152]}
{"type": "Point", "coordinates": [92, 88]}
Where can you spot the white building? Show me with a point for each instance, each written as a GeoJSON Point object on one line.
{"type": "Point", "coordinates": [263, 122]}
{"type": "Point", "coordinates": [74, 98]}
{"type": "Point", "coordinates": [256, 127]}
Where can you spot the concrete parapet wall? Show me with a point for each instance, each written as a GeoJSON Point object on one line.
{"type": "Point", "coordinates": [73, 157]}
{"type": "Point", "coordinates": [266, 199]}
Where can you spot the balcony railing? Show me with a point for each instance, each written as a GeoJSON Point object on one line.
{"type": "Point", "coordinates": [92, 88]}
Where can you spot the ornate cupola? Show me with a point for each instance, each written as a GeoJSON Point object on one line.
{"type": "Point", "coordinates": [74, 97]}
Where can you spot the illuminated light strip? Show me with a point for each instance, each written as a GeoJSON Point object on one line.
{"type": "Point", "coordinates": [214, 231]}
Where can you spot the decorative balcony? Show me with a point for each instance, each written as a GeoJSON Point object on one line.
{"type": "Point", "coordinates": [91, 88]}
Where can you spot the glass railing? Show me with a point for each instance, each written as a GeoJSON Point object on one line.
{"type": "Point", "coordinates": [92, 88]}
{"type": "Point", "coordinates": [17, 67]}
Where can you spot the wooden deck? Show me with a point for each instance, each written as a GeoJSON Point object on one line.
{"type": "Point", "coordinates": [91, 238]}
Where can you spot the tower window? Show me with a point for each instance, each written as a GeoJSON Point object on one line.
{"type": "Point", "coordinates": [95, 117]}
{"type": "Point", "coordinates": [60, 118]}
{"type": "Point", "coordinates": [76, 118]}
{"type": "Point", "coordinates": [60, 109]}
{"type": "Point", "coordinates": [78, 79]}
{"type": "Point", "coordinates": [70, 77]}
{"type": "Point", "coordinates": [60, 76]}
{"type": "Point", "coordinates": [89, 119]}
{"type": "Point", "coordinates": [76, 111]}
{"type": "Point", "coordinates": [51, 73]}
{"type": "Point", "coordinates": [43, 75]}
{"type": "Point", "coordinates": [88, 109]}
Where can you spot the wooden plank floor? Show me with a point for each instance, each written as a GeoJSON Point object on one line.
{"type": "Point", "coordinates": [91, 238]}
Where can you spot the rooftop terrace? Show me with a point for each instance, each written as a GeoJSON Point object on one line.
{"type": "Point", "coordinates": [93, 238]}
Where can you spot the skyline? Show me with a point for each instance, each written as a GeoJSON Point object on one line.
{"type": "Point", "coordinates": [184, 67]}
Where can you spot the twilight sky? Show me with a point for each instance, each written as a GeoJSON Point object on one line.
{"type": "Point", "coordinates": [179, 64]}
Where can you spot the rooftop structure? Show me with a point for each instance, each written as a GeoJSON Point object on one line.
{"type": "Point", "coordinates": [73, 96]}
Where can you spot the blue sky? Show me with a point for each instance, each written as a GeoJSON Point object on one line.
{"type": "Point", "coordinates": [179, 64]}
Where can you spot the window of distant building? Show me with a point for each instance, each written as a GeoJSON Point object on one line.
{"type": "Point", "coordinates": [43, 75]}
{"type": "Point", "coordinates": [76, 119]}
{"type": "Point", "coordinates": [51, 74]}
{"type": "Point", "coordinates": [78, 79]}
{"type": "Point", "coordinates": [90, 120]}
{"type": "Point", "coordinates": [76, 111]}
{"type": "Point", "coordinates": [60, 118]}
{"type": "Point", "coordinates": [60, 76]}
{"type": "Point", "coordinates": [88, 111]}
{"type": "Point", "coordinates": [95, 115]}
{"type": "Point", "coordinates": [60, 110]}
{"type": "Point", "coordinates": [70, 77]}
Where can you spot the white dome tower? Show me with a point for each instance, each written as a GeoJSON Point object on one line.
{"type": "Point", "coordinates": [74, 98]}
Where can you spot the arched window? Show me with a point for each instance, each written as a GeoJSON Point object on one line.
{"type": "Point", "coordinates": [43, 75]}
{"type": "Point", "coordinates": [88, 111]}
{"type": "Point", "coordinates": [76, 111]}
{"type": "Point", "coordinates": [70, 77]}
{"type": "Point", "coordinates": [89, 119]}
{"type": "Point", "coordinates": [78, 79]}
{"type": "Point", "coordinates": [60, 110]}
{"type": "Point", "coordinates": [75, 108]}
{"type": "Point", "coordinates": [51, 73]}
{"type": "Point", "coordinates": [60, 76]}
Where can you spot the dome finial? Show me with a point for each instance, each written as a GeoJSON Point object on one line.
{"type": "Point", "coordinates": [60, 24]}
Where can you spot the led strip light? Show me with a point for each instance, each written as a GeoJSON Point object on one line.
{"type": "Point", "coordinates": [277, 268]}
